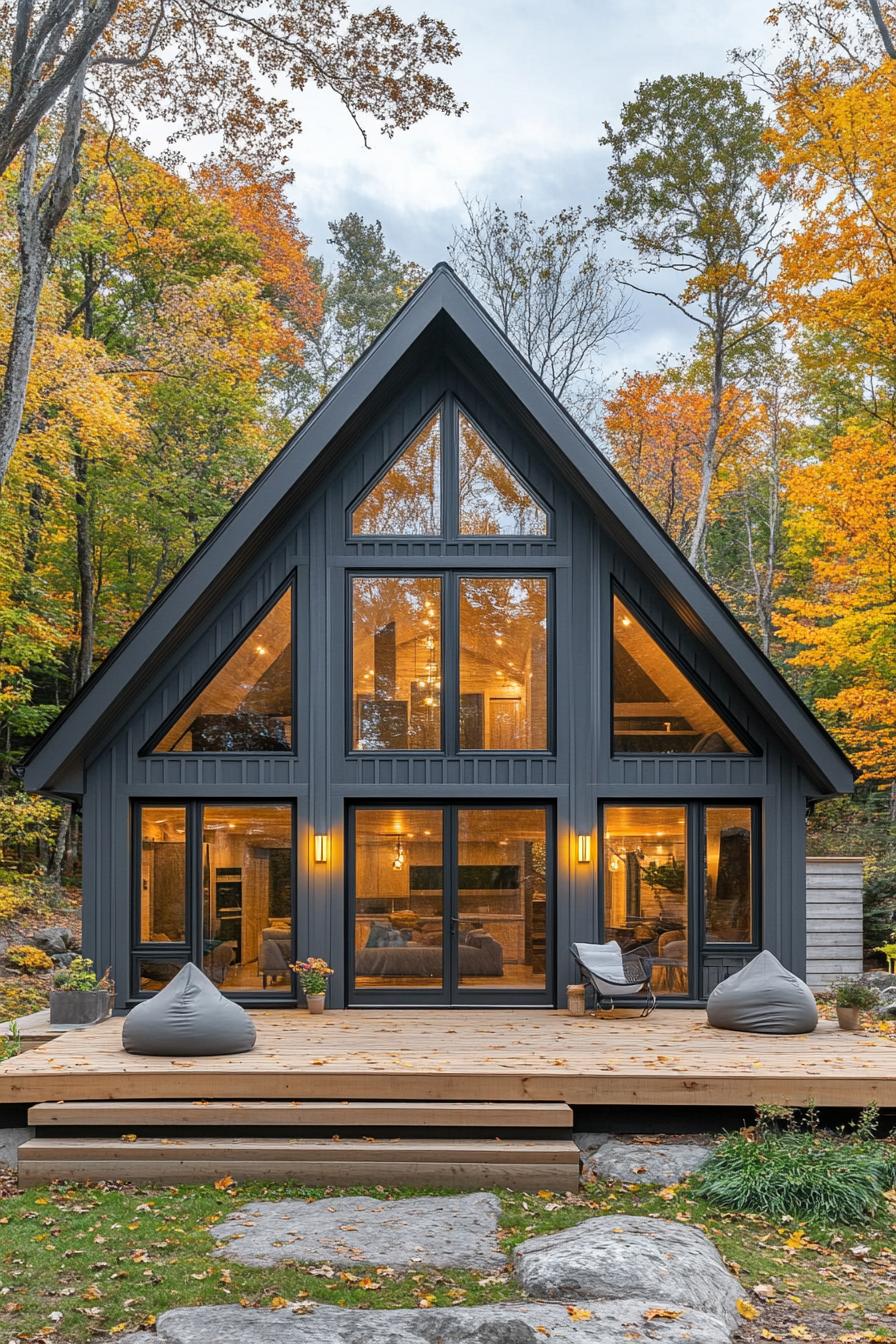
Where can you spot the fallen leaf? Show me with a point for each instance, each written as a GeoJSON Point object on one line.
{"type": "Point", "coordinates": [747, 1310]}
{"type": "Point", "coordinates": [661, 1314]}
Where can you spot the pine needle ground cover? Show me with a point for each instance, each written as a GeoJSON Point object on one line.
{"type": "Point", "coordinates": [78, 1261]}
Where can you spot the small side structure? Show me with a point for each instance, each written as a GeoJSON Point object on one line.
{"type": "Point", "coordinates": [833, 919]}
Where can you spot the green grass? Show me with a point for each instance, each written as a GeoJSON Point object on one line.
{"type": "Point", "coordinates": [85, 1260]}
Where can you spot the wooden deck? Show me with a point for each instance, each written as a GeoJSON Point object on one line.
{"type": "Point", "coordinates": [671, 1058]}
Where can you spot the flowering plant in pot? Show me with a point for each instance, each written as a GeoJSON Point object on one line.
{"type": "Point", "coordinates": [312, 974]}
{"type": "Point", "coordinates": [852, 999]}
{"type": "Point", "coordinates": [79, 995]}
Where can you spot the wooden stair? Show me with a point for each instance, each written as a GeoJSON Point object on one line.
{"type": "Point", "coordinates": [464, 1145]}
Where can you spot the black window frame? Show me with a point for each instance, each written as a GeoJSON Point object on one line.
{"type": "Point", "coordinates": [700, 949]}
{"type": "Point", "coordinates": [150, 748]}
{"type": "Point", "coordinates": [190, 950]}
{"type": "Point", "coordinates": [361, 538]}
{"type": "Point", "coordinates": [753, 752]}
{"type": "Point", "coordinates": [451, 993]}
{"type": "Point", "coordinates": [450, 408]}
{"type": "Point", "coordinates": [450, 577]}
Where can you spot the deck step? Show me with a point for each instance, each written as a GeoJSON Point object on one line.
{"type": "Point", "coordinates": [518, 1164]}
{"type": "Point", "coordinates": [494, 1117]}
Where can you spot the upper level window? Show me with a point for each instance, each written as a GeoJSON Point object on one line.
{"type": "Point", "coordinates": [247, 704]}
{"type": "Point", "coordinates": [407, 500]}
{"type": "Point", "coordinates": [480, 490]}
{"type": "Point", "coordinates": [503, 664]}
{"type": "Point", "coordinates": [492, 501]}
{"type": "Point", "coordinates": [656, 707]}
{"type": "Point", "coordinates": [396, 663]}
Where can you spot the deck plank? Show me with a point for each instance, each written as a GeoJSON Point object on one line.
{"type": "Point", "coordinates": [672, 1058]}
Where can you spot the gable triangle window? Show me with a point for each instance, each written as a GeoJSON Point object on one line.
{"type": "Point", "coordinates": [246, 703]}
{"type": "Point", "coordinates": [406, 501]}
{"type": "Point", "coordinates": [657, 707]}
{"type": "Point", "coordinates": [492, 500]}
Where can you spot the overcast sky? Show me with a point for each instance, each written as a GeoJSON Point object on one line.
{"type": "Point", "coordinates": [540, 79]}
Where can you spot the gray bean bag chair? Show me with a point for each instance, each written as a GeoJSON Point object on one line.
{"type": "Point", "coordinates": [763, 997]}
{"type": "Point", "coordinates": [188, 1017]}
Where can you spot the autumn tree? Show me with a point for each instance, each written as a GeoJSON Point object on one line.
{"type": "Point", "coordinates": [688, 191]}
{"type": "Point", "coordinates": [200, 69]}
{"type": "Point", "coordinates": [361, 291]}
{"type": "Point", "coordinates": [551, 290]}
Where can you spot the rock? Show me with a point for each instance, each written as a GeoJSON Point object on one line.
{"type": "Point", "coordinates": [456, 1231]}
{"type": "Point", "coordinates": [589, 1143]}
{"type": "Point", "coordinates": [503, 1323]}
{"type": "Point", "coordinates": [9, 1144]}
{"type": "Point", "coordinates": [55, 940]}
{"type": "Point", "coordinates": [645, 1163]}
{"type": "Point", "coordinates": [629, 1257]}
{"type": "Point", "coordinates": [879, 980]}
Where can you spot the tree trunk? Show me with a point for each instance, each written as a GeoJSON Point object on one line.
{"type": "Point", "coordinates": [697, 554]}
{"type": "Point", "coordinates": [54, 870]}
{"type": "Point", "coordinates": [33, 259]}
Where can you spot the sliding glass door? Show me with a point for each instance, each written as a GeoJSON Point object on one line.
{"type": "Point", "coordinates": [450, 904]}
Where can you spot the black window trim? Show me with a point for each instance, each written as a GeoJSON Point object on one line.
{"type": "Point", "coordinates": [150, 749]}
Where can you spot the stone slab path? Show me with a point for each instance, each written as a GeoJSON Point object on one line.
{"type": "Point", "coordinates": [450, 1232]}
{"type": "Point", "coordinates": [507, 1323]}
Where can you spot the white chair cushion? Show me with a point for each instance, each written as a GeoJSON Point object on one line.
{"type": "Point", "coordinates": [602, 959]}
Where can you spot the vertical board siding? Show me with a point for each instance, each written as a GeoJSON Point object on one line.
{"type": "Point", "coordinates": [314, 546]}
{"type": "Point", "coordinates": [834, 919]}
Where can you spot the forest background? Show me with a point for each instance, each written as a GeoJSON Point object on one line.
{"type": "Point", "coordinates": [166, 324]}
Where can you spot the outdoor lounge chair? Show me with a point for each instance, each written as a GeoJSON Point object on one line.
{"type": "Point", "coordinates": [618, 980]}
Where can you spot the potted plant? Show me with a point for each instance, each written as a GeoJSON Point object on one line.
{"type": "Point", "coordinates": [312, 975]}
{"type": "Point", "coordinates": [852, 999]}
{"type": "Point", "coordinates": [78, 996]}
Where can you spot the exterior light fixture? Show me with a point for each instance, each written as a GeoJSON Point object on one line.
{"type": "Point", "coordinates": [583, 848]}
{"type": "Point", "coordinates": [321, 848]}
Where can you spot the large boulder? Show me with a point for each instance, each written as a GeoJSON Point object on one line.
{"type": "Point", "coordinates": [502, 1323]}
{"type": "Point", "coordinates": [645, 1163]}
{"type": "Point", "coordinates": [764, 997]}
{"type": "Point", "coordinates": [629, 1257]}
{"type": "Point", "coordinates": [188, 1017]}
{"type": "Point", "coordinates": [445, 1231]}
{"type": "Point", "coordinates": [55, 940]}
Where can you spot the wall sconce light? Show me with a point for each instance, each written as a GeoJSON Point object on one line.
{"type": "Point", "coordinates": [321, 848]}
{"type": "Point", "coordinates": [583, 848]}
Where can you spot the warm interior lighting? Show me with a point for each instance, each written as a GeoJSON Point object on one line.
{"type": "Point", "coordinates": [583, 848]}
{"type": "Point", "coordinates": [321, 848]}
{"type": "Point", "coordinates": [400, 857]}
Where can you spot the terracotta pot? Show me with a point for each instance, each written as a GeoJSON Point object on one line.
{"type": "Point", "coordinates": [315, 1002]}
{"type": "Point", "coordinates": [850, 1019]}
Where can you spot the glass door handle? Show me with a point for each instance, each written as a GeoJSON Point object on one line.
{"type": "Point", "coordinates": [455, 923]}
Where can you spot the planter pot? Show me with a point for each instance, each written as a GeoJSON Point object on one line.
{"type": "Point", "coordinates": [79, 1006]}
{"type": "Point", "coordinates": [850, 1019]}
{"type": "Point", "coordinates": [315, 1002]}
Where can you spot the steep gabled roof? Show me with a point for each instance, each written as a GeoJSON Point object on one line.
{"type": "Point", "coordinates": [55, 763]}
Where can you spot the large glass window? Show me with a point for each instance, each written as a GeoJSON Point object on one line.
{"type": "Point", "coordinates": [162, 914]}
{"type": "Point", "coordinates": [396, 664]}
{"type": "Point", "coordinates": [728, 874]}
{"type": "Point", "coordinates": [215, 880]}
{"type": "Point", "coordinates": [248, 704]}
{"type": "Point", "coordinates": [656, 707]}
{"type": "Point", "coordinates": [407, 500]}
{"type": "Point", "coordinates": [247, 895]}
{"type": "Point", "coordinates": [502, 897]}
{"type": "Point", "coordinates": [451, 900]}
{"type": "Point", "coordinates": [492, 500]}
{"type": "Point", "coordinates": [646, 889]}
{"type": "Point", "coordinates": [399, 898]}
{"type": "Point", "coordinates": [503, 664]}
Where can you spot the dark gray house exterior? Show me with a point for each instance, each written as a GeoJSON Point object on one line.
{"type": "Point", "coordinates": [436, 698]}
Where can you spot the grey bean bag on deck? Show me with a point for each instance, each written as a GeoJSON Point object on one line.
{"type": "Point", "coordinates": [763, 997]}
{"type": "Point", "coordinates": [188, 1017]}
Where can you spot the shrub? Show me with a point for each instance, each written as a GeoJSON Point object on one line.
{"type": "Point", "coordinates": [28, 959]}
{"type": "Point", "coordinates": [853, 994]}
{"type": "Point", "coordinates": [79, 974]}
{"type": "Point", "coordinates": [11, 1043]}
{"type": "Point", "coordinates": [800, 1172]}
{"type": "Point", "coordinates": [20, 1000]}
